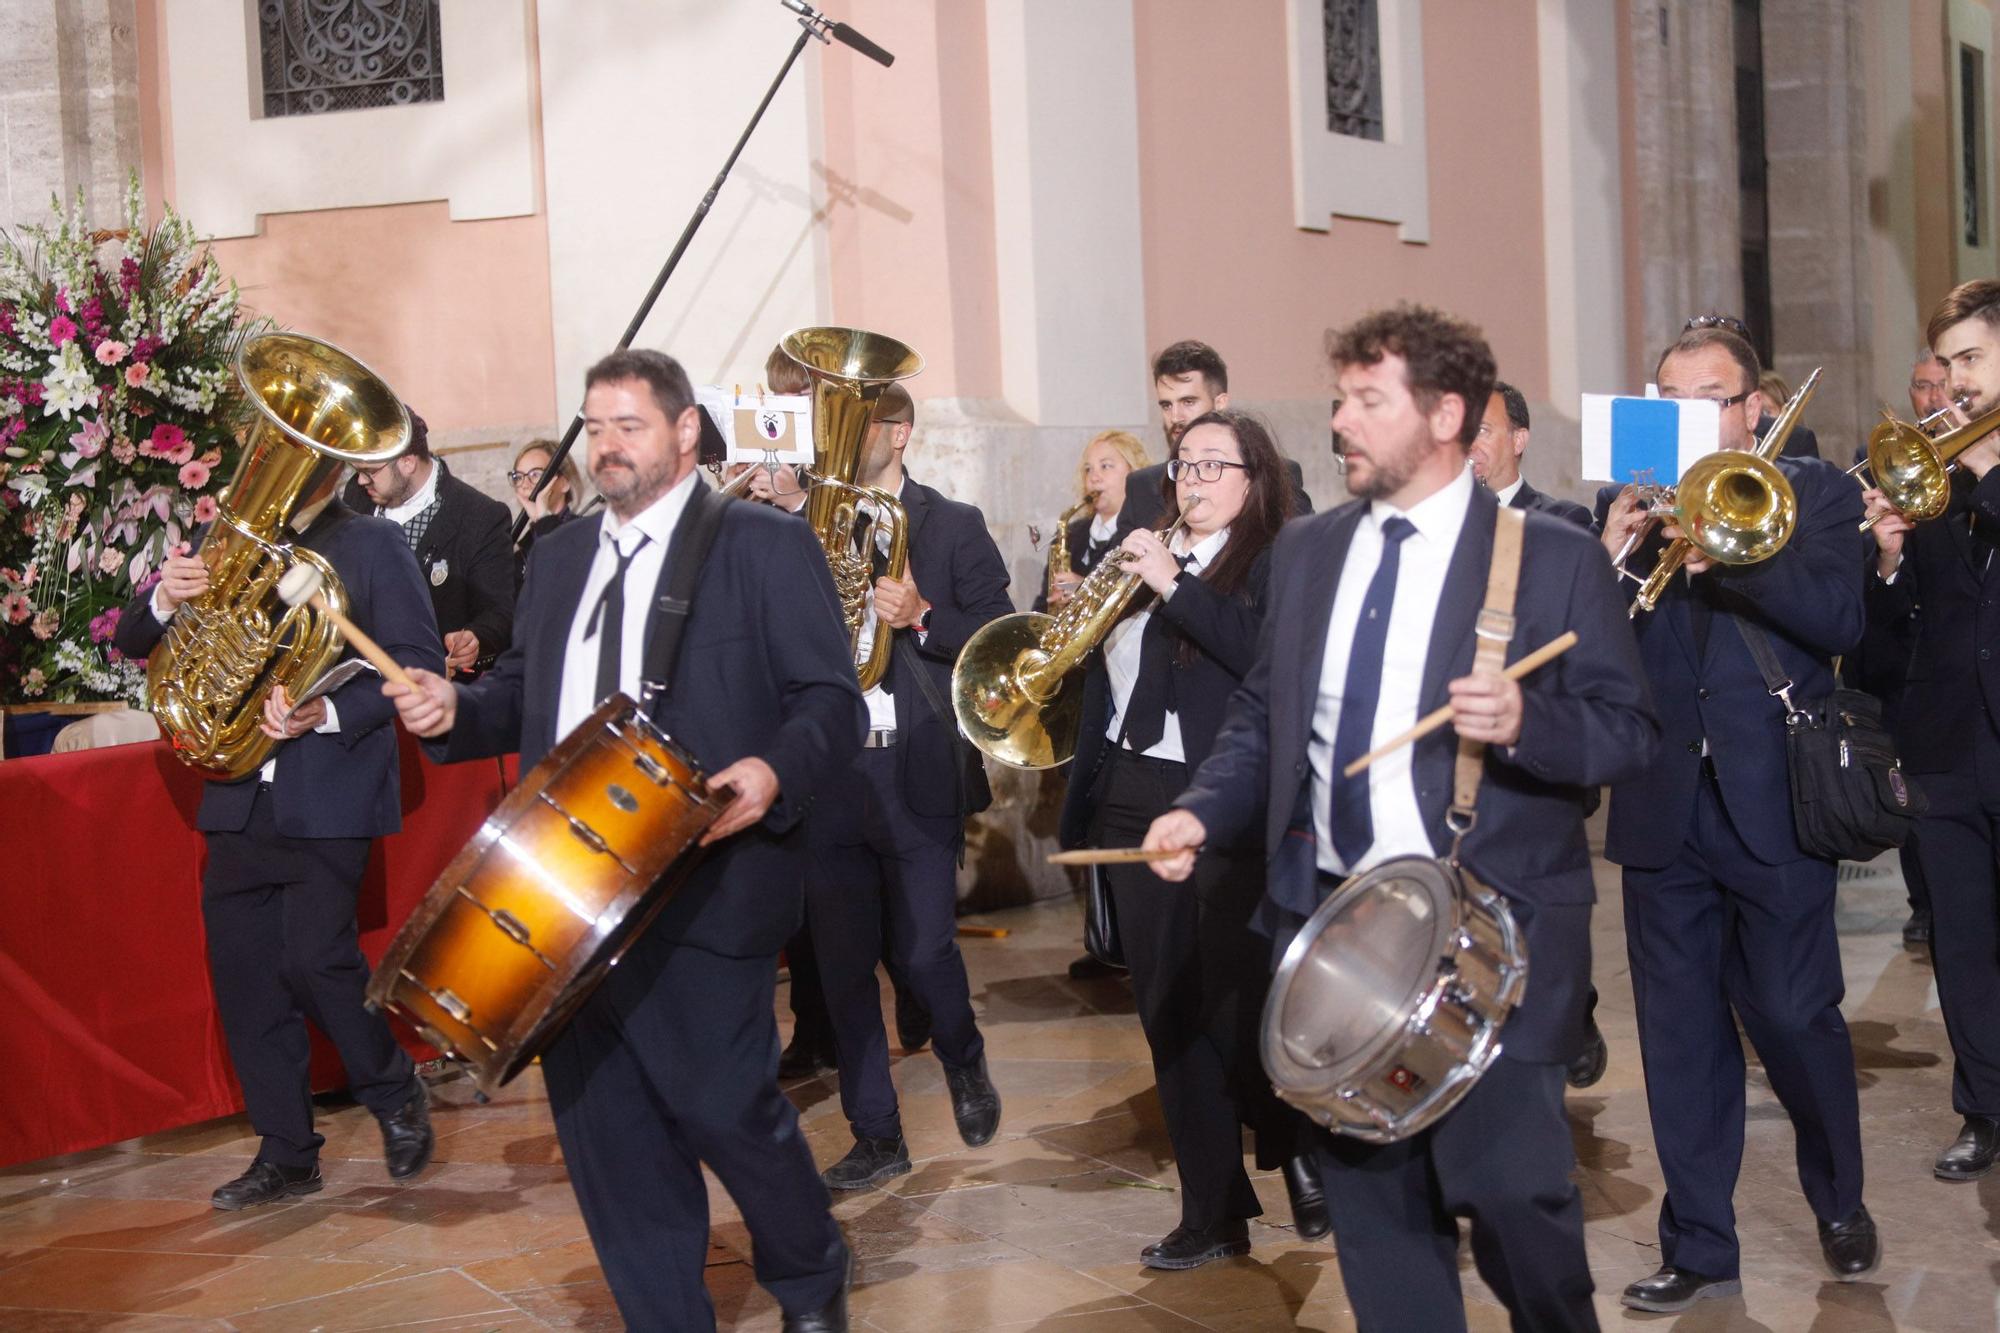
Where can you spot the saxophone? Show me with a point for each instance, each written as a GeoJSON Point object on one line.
{"type": "Point", "coordinates": [1015, 688]}
{"type": "Point", "coordinates": [1059, 544]}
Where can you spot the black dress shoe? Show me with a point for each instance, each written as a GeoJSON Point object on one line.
{"type": "Point", "coordinates": [1673, 1289]}
{"type": "Point", "coordinates": [1851, 1247]}
{"type": "Point", "coordinates": [868, 1161]}
{"type": "Point", "coordinates": [1308, 1199]}
{"type": "Point", "coordinates": [1588, 1066]}
{"type": "Point", "coordinates": [266, 1182]}
{"type": "Point", "coordinates": [1971, 1155]}
{"type": "Point", "coordinates": [407, 1140]}
{"type": "Point", "coordinates": [1191, 1247]}
{"type": "Point", "coordinates": [1917, 930]}
{"type": "Point", "coordinates": [913, 1021]}
{"type": "Point", "coordinates": [829, 1318]}
{"type": "Point", "coordinates": [1092, 968]}
{"type": "Point", "coordinates": [975, 1104]}
{"type": "Point", "coordinates": [805, 1058]}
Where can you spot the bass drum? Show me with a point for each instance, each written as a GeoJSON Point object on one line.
{"type": "Point", "coordinates": [1388, 1005]}
{"type": "Point", "coordinates": [557, 883]}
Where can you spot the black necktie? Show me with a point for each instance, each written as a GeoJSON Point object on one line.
{"type": "Point", "coordinates": [608, 616]}
{"type": "Point", "coordinates": [1353, 821]}
{"type": "Point", "coordinates": [1153, 691]}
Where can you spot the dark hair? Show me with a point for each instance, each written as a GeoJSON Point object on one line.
{"type": "Point", "coordinates": [1517, 406]}
{"type": "Point", "coordinates": [420, 436]}
{"type": "Point", "coordinates": [662, 374]}
{"type": "Point", "coordinates": [1188, 356]}
{"type": "Point", "coordinates": [782, 375]}
{"type": "Point", "coordinates": [894, 405]}
{"type": "Point", "coordinates": [1979, 299]}
{"type": "Point", "coordinates": [1739, 348]}
{"type": "Point", "coordinates": [1265, 508]}
{"type": "Point", "coordinates": [1441, 353]}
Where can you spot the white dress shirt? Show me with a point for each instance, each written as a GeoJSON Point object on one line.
{"type": "Point", "coordinates": [1122, 649]}
{"type": "Point", "coordinates": [1505, 495]}
{"type": "Point", "coordinates": [419, 500]}
{"type": "Point", "coordinates": [655, 523]}
{"type": "Point", "coordinates": [1102, 529]}
{"type": "Point", "coordinates": [1397, 820]}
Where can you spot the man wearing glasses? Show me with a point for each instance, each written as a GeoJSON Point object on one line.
{"type": "Point", "coordinates": [1726, 919]}
{"type": "Point", "coordinates": [1801, 443]}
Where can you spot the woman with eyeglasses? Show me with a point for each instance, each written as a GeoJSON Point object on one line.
{"type": "Point", "coordinates": [1153, 700]}
{"type": "Point", "coordinates": [547, 511]}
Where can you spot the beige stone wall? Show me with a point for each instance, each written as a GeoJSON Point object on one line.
{"type": "Point", "coordinates": [69, 106]}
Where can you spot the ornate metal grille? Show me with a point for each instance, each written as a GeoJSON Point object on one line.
{"type": "Point", "coordinates": [1353, 68]}
{"type": "Point", "coordinates": [342, 55]}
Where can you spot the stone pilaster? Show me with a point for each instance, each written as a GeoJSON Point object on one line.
{"type": "Point", "coordinates": [69, 105]}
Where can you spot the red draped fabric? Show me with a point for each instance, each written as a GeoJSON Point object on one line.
{"type": "Point", "coordinates": [108, 1026]}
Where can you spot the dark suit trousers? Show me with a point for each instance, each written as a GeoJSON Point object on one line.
{"type": "Point", "coordinates": [671, 1064]}
{"type": "Point", "coordinates": [283, 948]}
{"type": "Point", "coordinates": [1959, 844]}
{"type": "Point", "coordinates": [877, 867]}
{"type": "Point", "coordinates": [1179, 952]}
{"type": "Point", "coordinates": [1718, 930]}
{"type": "Point", "coordinates": [1501, 1157]}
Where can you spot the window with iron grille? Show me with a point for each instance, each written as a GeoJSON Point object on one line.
{"type": "Point", "coordinates": [343, 55]}
{"type": "Point", "coordinates": [1353, 69]}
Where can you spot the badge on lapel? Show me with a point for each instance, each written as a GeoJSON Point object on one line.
{"type": "Point", "coordinates": [440, 572]}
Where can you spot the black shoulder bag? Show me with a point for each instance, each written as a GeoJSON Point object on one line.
{"type": "Point", "coordinates": [1851, 800]}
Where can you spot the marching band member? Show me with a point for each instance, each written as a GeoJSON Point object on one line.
{"type": "Point", "coordinates": [1409, 557]}
{"type": "Point", "coordinates": [548, 511]}
{"type": "Point", "coordinates": [1496, 458]}
{"type": "Point", "coordinates": [671, 1063]}
{"type": "Point", "coordinates": [1153, 698]}
{"type": "Point", "coordinates": [1726, 919]}
{"type": "Point", "coordinates": [1107, 460]}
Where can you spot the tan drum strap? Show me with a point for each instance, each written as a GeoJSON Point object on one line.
{"type": "Point", "coordinates": [1493, 631]}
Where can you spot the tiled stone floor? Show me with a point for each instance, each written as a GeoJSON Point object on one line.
{"type": "Point", "coordinates": [1038, 1230]}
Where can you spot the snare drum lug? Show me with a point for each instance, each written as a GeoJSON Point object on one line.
{"type": "Point", "coordinates": [452, 1005]}
{"type": "Point", "coordinates": [588, 836]}
{"type": "Point", "coordinates": [653, 769]}
{"type": "Point", "coordinates": [511, 924]}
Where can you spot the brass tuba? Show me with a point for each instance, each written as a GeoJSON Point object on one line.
{"type": "Point", "coordinates": [317, 410]}
{"type": "Point", "coordinates": [1015, 687]}
{"type": "Point", "coordinates": [850, 368]}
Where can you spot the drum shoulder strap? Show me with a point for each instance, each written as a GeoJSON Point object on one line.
{"type": "Point", "coordinates": [686, 553]}
{"type": "Point", "coordinates": [1493, 631]}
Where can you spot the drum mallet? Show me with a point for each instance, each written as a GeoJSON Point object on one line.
{"type": "Point", "coordinates": [301, 584]}
{"type": "Point", "coordinates": [1543, 655]}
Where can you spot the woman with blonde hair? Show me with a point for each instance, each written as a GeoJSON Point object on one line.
{"type": "Point", "coordinates": [1101, 472]}
{"type": "Point", "coordinates": [549, 510]}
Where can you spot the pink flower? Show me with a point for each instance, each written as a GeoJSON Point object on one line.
{"type": "Point", "coordinates": [34, 682]}
{"type": "Point", "coordinates": [109, 559]}
{"type": "Point", "coordinates": [124, 451]}
{"type": "Point", "coordinates": [16, 607]}
{"type": "Point", "coordinates": [194, 474]}
{"type": "Point", "coordinates": [61, 329]}
{"type": "Point", "coordinates": [6, 320]}
{"type": "Point", "coordinates": [212, 457]}
{"type": "Point", "coordinates": [128, 275]}
{"type": "Point", "coordinates": [135, 375]}
{"type": "Point", "coordinates": [110, 352]}
{"type": "Point", "coordinates": [89, 442]}
{"type": "Point", "coordinates": [205, 509]}
{"type": "Point", "coordinates": [46, 624]}
{"type": "Point", "coordinates": [146, 348]}
{"type": "Point", "coordinates": [104, 626]}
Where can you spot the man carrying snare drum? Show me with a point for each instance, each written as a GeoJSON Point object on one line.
{"type": "Point", "coordinates": [1410, 557]}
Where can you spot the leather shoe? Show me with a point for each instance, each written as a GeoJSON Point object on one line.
{"type": "Point", "coordinates": [1917, 930]}
{"type": "Point", "coordinates": [1588, 1066]}
{"type": "Point", "coordinates": [1673, 1289]}
{"type": "Point", "coordinates": [407, 1139]}
{"type": "Point", "coordinates": [913, 1021]}
{"type": "Point", "coordinates": [266, 1182]}
{"type": "Point", "coordinates": [975, 1104]}
{"type": "Point", "coordinates": [1851, 1247]}
{"type": "Point", "coordinates": [868, 1161]}
{"type": "Point", "coordinates": [1191, 1247]}
{"type": "Point", "coordinates": [1971, 1155]}
{"type": "Point", "coordinates": [1308, 1199]}
{"type": "Point", "coordinates": [829, 1318]}
{"type": "Point", "coordinates": [805, 1058]}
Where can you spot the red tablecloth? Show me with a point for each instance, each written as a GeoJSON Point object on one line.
{"type": "Point", "coordinates": [108, 1026]}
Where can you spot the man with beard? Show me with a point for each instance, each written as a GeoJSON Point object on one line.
{"type": "Point", "coordinates": [1370, 624]}
{"type": "Point", "coordinates": [670, 1065]}
{"type": "Point", "coordinates": [1948, 724]}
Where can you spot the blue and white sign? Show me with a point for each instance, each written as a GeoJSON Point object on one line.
{"type": "Point", "coordinates": [1646, 439]}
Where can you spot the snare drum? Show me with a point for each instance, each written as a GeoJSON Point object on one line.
{"type": "Point", "coordinates": [557, 883]}
{"type": "Point", "coordinates": [1388, 1006]}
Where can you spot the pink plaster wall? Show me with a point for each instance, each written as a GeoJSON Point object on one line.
{"type": "Point", "coordinates": [1224, 261]}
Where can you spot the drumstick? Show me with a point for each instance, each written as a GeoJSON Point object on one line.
{"type": "Point", "coordinates": [1113, 856]}
{"type": "Point", "coordinates": [301, 584]}
{"type": "Point", "coordinates": [1548, 652]}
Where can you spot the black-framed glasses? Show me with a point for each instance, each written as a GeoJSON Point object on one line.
{"type": "Point", "coordinates": [1729, 322]}
{"type": "Point", "coordinates": [526, 474]}
{"type": "Point", "coordinates": [1207, 469]}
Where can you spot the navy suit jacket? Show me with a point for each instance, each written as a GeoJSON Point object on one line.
{"type": "Point", "coordinates": [1947, 594]}
{"type": "Point", "coordinates": [1586, 720]}
{"type": "Point", "coordinates": [764, 670]}
{"type": "Point", "coordinates": [1527, 497]}
{"type": "Point", "coordinates": [1807, 598]}
{"type": "Point", "coordinates": [339, 784]}
{"type": "Point", "coordinates": [1223, 628]}
{"type": "Point", "coordinates": [959, 571]}
{"type": "Point", "coordinates": [467, 560]}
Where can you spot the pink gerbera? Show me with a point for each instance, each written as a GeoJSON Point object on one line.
{"type": "Point", "coordinates": [61, 329]}
{"type": "Point", "coordinates": [135, 375]}
{"type": "Point", "coordinates": [194, 474]}
{"type": "Point", "coordinates": [205, 509]}
{"type": "Point", "coordinates": [110, 352]}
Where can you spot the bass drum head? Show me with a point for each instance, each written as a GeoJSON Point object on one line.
{"type": "Point", "coordinates": [1354, 976]}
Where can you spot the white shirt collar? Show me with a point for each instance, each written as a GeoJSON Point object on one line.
{"type": "Point", "coordinates": [1438, 516]}
{"type": "Point", "coordinates": [1505, 495]}
{"type": "Point", "coordinates": [1101, 528]}
{"type": "Point", "coordinates": [1205, 550]}
{"type": "Point", "coordinates": [656, 520]}
{"type": "Point", "coordinates": [416, 504]}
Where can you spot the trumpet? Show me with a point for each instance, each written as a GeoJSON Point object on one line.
{"type": "Point", "coordinates": [1913, 470]}
{"type": "Point", "coordinates": [1734, 506]}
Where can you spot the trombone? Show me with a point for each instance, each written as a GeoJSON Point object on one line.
{"type": "Point", "coordinates": [1912, 470]}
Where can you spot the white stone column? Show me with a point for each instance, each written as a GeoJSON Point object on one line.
{"type": "Point", "coordinates": [69, 106]}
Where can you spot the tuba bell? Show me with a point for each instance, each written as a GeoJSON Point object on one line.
{"type": "Point", "coordinates": [317, 410]}
{"type": "Point", "coordinates": [850, 368]}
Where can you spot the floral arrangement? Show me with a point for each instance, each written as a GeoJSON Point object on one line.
{"type": "Point", "coordinates": [118, 408]}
